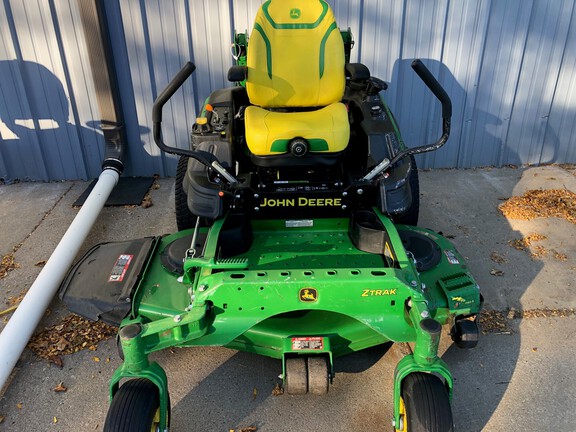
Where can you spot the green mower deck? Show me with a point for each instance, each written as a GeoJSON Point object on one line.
{"type": "Point", "coordinates": [298, 291]}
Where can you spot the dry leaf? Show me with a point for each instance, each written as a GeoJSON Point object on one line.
{"type": "Point", "coordinates": [492, 321]}
{"type": "Point", "coordinates": [72, 334]}
{"type": "Point", "coordinates": [526, 244]}
{"type": "Point", "coordinates": [7, 264]}
{"type": "Point", "coordinates": [560, 256]}
{"type": "Point", "coordinates": [277, 390]}
{"type": "Point", "coordinates": [19, 405]}
{"type": "Point", "coordinates": [146, 202]}
{"type": "Point", "coordinates": [57, 360]}
{"type": "Point", "coordinates": [55, 420]}
{"type": "Point", "coordinates": [2, 418]}
{"type": "Point", "coordinates": [249, 429]}
{"type": "Point", "coordinates": [559, 203]}
{"type": "Point", "coordinates": [495, 272]}
{"type": "Point", "coordinates": [16, 300]}
{"type": "Point", "coordinates": [62, 344]}
{"type": "Point", "coordinates": [60, 388]}
{"type": "Point", "coordinates": [497, 258]}
{"type": "Point", "coordinates": [41, 263]}
{"type": "Point", "coordinates": [548, 313]}
{"type": "Point", "coordinates": [96, 359]}
{"type": "Point", "coordinates": [254, 393]}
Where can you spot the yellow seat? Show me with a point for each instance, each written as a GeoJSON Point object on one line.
{"type": "Point", "coordinates": [269, 132]}
{"type": "Point", "coordinates": [295, 62]}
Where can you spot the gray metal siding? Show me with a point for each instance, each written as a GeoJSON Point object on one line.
{"type": "Point", "coordinates": [46, 95]}
{"type": "Point", "coordinates": [508, 66]}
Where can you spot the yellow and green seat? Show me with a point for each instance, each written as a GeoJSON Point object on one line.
{"type": "Point", "coordinates": [295, 80]}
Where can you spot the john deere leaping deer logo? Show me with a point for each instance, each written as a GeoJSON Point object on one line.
{"type": "Point", "coordinates": [295, 13]}
{"type": "Point", "coordinates": [308, 295]}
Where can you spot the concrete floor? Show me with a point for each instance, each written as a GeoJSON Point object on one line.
{"type": "Point", "coordinates": [514, 381]}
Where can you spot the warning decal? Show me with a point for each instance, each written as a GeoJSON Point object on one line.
{"type": "Point", "coordinates": [120, 268]}
{"type": "Point", "coordinates": [307, 343]}
{"type": "Point", "coordinates": [451, 257]}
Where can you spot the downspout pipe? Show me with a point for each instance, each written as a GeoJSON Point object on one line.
{"type": "Point", "coordinates": [97, 36]}
{"type": "Point", "coordinates": [21, 326]}
{"type": "Point", "coordinates": [25, 319]}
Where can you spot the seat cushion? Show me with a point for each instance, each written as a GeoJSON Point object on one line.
{"type": "Point", "coordinates": [295, 56]}
{"type": "Point", "coordinates": [327, 130]}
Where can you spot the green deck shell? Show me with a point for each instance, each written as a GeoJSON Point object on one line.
{"type": "Point", "coordinates": [251, 302]}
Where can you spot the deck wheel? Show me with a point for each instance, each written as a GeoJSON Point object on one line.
{"type": "Point", "coordinates": [134, 408]}
{"type": "Point", "coordinates": [465, 334]}
{"type": "Point", "coordinates": [318, 375]}
{"type": "Point", "coordinates": [296, 376]}
{"type": "Point", "coordinates": [424, 405]}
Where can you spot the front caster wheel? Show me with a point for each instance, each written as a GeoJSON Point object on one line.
{"type": "Point", "coordinates": [318, 378]}
{"type": "Point", "coordinates": [296, 376]}
{"type": "Point", "coordinates": [424, 405]}
{"type": "Point", "coordinates": [134, 408]}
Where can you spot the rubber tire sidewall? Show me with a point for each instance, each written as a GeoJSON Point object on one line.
{"type": "Point", "coordinates": [296, 376]}
{"type": "Point", "coordinates": [133, 407]}
{"type": "Point", "coordinates": [427, 404]}
{"type": "Point", "coordinates": [184, 218]}
{"type": "Point", "coordinates": [410, 216]}
{"type": "Point", "coordinates": [318, 379]}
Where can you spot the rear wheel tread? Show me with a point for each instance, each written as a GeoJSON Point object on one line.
{"type": "Point", "coordinates": [184, 218]}
{"type": "Point", "coordinates": [410, 216]}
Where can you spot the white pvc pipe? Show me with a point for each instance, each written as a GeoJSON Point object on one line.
{"type": "Point", "coordinates": [21, 326]}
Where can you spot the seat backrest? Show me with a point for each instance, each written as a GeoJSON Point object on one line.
{"type": "Point", "coordinates": [295, 55]}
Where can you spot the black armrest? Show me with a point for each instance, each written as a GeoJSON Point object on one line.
{"type": "Point", "coordinates": [357, 71]}
{"type": "Point", "coordinates": [237, 73]}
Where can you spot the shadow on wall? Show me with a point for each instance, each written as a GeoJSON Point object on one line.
{"type": "Point", "coordinates": [478, 138]}
{"type": "Point", "coordinates": [419, 114]}
{"type": "Point", "coordinates": [38, 140]}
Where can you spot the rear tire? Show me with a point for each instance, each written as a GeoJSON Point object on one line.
{"type": "Point", "coordinates": [410, 216]}
{"type": "Point", "coordinates": [427, 406]}
{"type": "Point", "coordinates": [184, 218]}
{"type": "Point", "coordinates": [134, 408]}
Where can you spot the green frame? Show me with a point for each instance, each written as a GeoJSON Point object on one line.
{"type": "Point", "coordinates": [249, 302]}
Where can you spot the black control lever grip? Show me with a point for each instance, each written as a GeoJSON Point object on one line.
{"type": "Point", "coordinates": [434, 86]}
{"type": "Point", "coordinates": [170, 89]}
{"type": "Point", "coordinates": [444, 99]}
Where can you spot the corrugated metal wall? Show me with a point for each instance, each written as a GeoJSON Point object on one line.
{"type": "Point", "coordinates": [506, 64]}
{"type": "Point", "coordinates": [47, 103]}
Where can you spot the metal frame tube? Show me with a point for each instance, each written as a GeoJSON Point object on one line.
{"type": "Point", "coordinates": [21, 326]}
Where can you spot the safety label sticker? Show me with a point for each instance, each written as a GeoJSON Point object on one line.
{"type": "Point", "coordinates": [307, 343]}
{"type": "Point", "coordinates": [451, 257]}
{"type": "Point", "coordinates": [120, 268]}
